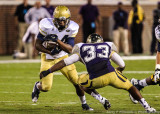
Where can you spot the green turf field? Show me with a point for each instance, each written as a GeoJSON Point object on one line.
{"type": "Point", "coordinates": [17, 80]}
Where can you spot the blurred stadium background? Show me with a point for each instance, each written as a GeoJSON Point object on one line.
{"type": "Point", "coordinates": [8, 29]}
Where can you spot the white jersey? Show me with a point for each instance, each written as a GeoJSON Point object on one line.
{"type": "Point", "coordinates": [47, 27]}
{"type": "Point", "coordinates": [34, 14]}
{"type": "Point", "coordinates": [32, 29]}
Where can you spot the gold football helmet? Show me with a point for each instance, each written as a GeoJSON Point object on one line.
{"type": "Point", "coordinates": [94, 38]}
{"type": "Point", "coordinates": [61, 17]}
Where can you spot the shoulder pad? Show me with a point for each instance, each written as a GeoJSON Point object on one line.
{"type": "Point", "coordinates": [45, 25]}
{"type": "Point", "coordinates": [112, 45]}
{"type": "Point", "coordinates": [76, 48]}
{"type": "Point", "coordinates": [73, 25]}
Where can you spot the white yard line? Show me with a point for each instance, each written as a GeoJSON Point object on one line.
{"type": "Point", "coordinates": [59, 73]}
{"type": "Point", "coordinates": [38, 60]}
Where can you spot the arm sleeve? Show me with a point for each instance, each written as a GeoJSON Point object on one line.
{"type": "Point", "coordinates": [71, 59]}
{"type": "Point", "coordinates": [70, 41]}
{"type": "Point", "coordinates": [40, 36]}
{"type": "Point", "coordinates": [118, 60]}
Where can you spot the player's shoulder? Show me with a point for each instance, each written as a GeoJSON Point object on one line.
{"type": "Point", "coordinates": [45, 25]}
{"type": "Point", "coordinates": [73, 25]}
{"type": "Point", "coordinates": [79, 44]}
{"type": "Point", "coordinates": [77, 47]}
{"type": "Point", "coordinates": [112, 45]}
{"type": "Point", "coordinates": [109, 43]}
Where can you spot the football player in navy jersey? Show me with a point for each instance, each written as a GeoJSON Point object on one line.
{"type": "Point", "coordinates": [154, 79]}
{"type": "Point", "coordinates": [96, 55]}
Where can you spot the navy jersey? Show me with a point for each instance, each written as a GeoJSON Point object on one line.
{"type": "Point", "coordinates": [96, 58]}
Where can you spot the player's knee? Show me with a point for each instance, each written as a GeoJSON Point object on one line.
{"type": "Point", "coordinates": [46, 88]}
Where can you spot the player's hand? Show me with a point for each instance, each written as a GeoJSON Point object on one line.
{"type": "Point", "coordinates": [120, 69]}
{"type": "Point", "coordinates": [156, 75]}
{"type": "Point", "coordinates": [44, 73]}
{"type": "Point", "coordinates": [54, 51]}
{"type": "Point", "coordinates": [51, 37]}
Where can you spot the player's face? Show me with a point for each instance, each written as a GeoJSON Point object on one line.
{"type": "Point", "coordinates": [61, 23]}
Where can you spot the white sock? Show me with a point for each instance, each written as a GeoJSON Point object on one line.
{"type": "Point", "coordinates": [143, 83]}
{"type": "Point", "coordinates": [83, 99]}
{"type": "Point", "coordinates": [38, 85]}
{"type": "Point", "coordinates": [98, 97]}
{"type": "Point", "coordinates": [144, 103]}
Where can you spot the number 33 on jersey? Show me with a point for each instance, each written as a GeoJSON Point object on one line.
{"type": "Point", "coordinates": [96, 57]}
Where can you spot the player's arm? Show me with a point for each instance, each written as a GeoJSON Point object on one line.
{"type": "Point", "coordinates": [39, 44]}
{"type": "Point", "coordinates": [67, 61]}
{"type": "Point", "coordinates": [117, 60]}
{"type": "Point", "coordinates": [67, 47]}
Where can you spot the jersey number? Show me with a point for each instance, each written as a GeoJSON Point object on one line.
{"type": "Point", "coordinates": [91, 52]}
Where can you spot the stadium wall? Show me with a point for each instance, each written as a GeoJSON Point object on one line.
{"type": "Point", "coordinates": [8, 29]}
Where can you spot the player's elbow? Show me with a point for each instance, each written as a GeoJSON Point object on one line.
{"type": "Point", "coordinates": [122, 65]}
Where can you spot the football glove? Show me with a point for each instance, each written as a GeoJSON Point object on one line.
{"type": "Point", "coordinates": [51, 37]}
{"type": "Point", "coordinates": [56, 50]}
{"type": "Point", "coordinates": [156, 75]}
{"type": "Point", "coordinates": [44, 73]}
{"type": "Point", "coordinates": [157, 32]}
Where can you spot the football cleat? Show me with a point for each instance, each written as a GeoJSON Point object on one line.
{"type": "Point", "coordinates": [133, 100]}
{"type": "Point", "coordinates": [86, 107]}
{"type": "Point", "coordinates": [135, 83]}
{"type": "Point", "coordinates": [150, 110]}
{"type": "Point", "coordinates": [35, 93]}
{"type": "Point", "coordinates": [106, 103]}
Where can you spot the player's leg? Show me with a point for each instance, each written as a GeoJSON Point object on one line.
{"type": "Point", "coordinates": [71, 74]}
{"type": "Point", "coordinates": [86, 85]}
{"type": "Point", "coordinates": [46, 83]}
{"type": "Point", "coordinates": [121, 82]}
{"type": "Point", "coordinates": [140, 84]}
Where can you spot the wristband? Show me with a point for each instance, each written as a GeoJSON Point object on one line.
{"type": "Point", "coordinates": [49, 70]}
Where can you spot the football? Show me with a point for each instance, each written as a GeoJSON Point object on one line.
{"type": "Point", "coordinates": [49, 45]}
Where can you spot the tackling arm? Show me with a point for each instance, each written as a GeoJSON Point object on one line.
{"type": "Point", "coordinates": [67, 61]}
{"type": "Point", "coordinates": [118, 60]}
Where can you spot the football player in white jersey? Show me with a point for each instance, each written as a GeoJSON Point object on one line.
{"type": "Point", "coordinates": [154, 79]}
{"type": "Point", "coordinates": [96, 55]}
{"type": "Point", "coordinates": [63, 31]}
